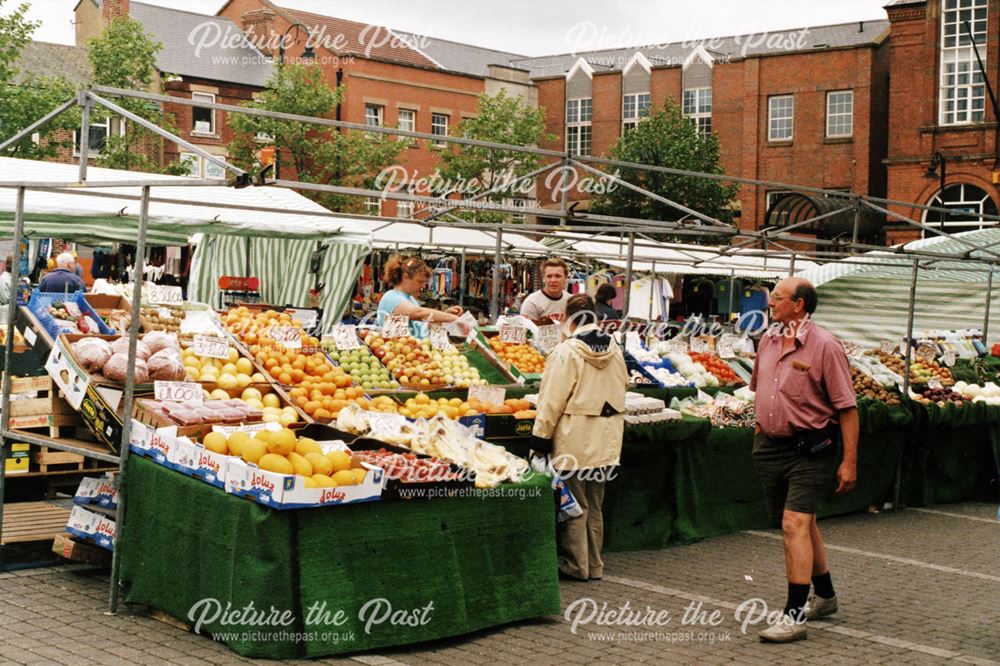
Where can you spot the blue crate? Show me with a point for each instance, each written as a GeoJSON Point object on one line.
{"type": "Point", "coordinates": [39, 304]}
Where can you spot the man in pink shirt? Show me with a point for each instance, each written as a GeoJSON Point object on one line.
{"type": "Point", "coordinates": [805, 408]}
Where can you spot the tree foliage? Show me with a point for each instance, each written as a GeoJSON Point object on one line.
{"type": "Point", "coordinates": [500, 118]}
{"type": "Point", "coordinates": [25, 98]}
{"type": "Point", "coordinates": [124, 56]}
{"type": "Point", "coordinates": [668, 139]}
{"type": "Point", "coordinates": [319, 154]}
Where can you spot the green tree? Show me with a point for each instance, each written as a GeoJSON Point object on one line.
{"type": "Point", "coordinates": [319, 154]}
{"type": "Point", "coordinates": [124, 56]}
{"type": "Point", "coordinates": [500, 118]}
{"type": "Point", "coordinates": [668, 139]}
{"type": "Point", "coordinates": [25, 98]}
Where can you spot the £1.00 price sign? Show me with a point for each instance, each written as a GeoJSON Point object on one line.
{"type": "Point", "coordinates": [286, 336]}
{"type": "Point", "coordinates": [211, 347]}
{"type": "Point", "coordinates": [178, 391]}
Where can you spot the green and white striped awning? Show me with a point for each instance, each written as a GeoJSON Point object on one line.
{"type": "Point", "coordinates": [92, 231]}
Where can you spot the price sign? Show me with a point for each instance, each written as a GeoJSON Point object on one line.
{"type": "Point", "coordinates": [949, 358]}
{"type": "Point", "coordinates": [852, 350]}
{"type": "Point", "coordinates": [676, 345]}
{"type": "Point", "coordinates": [887, 346]}
{"type": "Point", "coordinates": [439, 338]}
{"type": "Point", "coordinates": [345, 337]}
{"type": "Point", "coordinates": [308, 318]}
{"type": "Point", "coordinates": [165, 295]}
{"type": "Point", "coordinates": [493, 395]}
{"type": "Point", "coordinates": [547, 338]}
{"type": "Point", "coordinates": [178, 391]}
{"type": "Point", "coordinates": [515, 335]}
{"type": "Point", "coordinates": [728, 345]}
{"type": "Point", "coordinates": [699, 345]}
{"type": "Point", "coordinates": [934, 383]}
{"type": "Point", "coordinates": [396, 326]}
{"type": "Point", "coordinates": [385, 425]}
{"type": "Point", "coordinates": [925, 352]}
{"type": "Point", "coordinates": [211, 347]}
{"type": "Point", "coordinates": [286, 336]}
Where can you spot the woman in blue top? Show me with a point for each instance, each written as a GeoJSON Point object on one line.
{"type": "Point", "coordinates": [408, 278]}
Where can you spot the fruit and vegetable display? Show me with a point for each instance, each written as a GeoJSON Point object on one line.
{"type": "Point", "coordinates": [68, 323]}
{"type": "Point", "coordinates": [364, 368]}
{"type": "Point", "coordinates": [941, 397]}
{"type": "Point", "coordinates": [867, 387]}
{"type": "Point", "coordinates": [871, 365]}
{"type": "Point", "coordinates": [58, 311]}
{"type": "Point", "coordinates": [408, 467]}
{"type": "Point", "coordinates": [234, 373]}
{"type": "Point", "coordinates": [693, 371]}
{"type": "Point", "coordinates": [524, 357]}
{"type": "Point", "coordinates": [210, 412]}
{"type": "Point", "coordinates": [158, 358]}
{"type": "Point", "coordinates": [988, 393]}
{"type": "Point", "coordinates": [921, 371]}
{"type": "Point", "coordinates": [718, 367]}
{"type": "Point", "coordinates": [519, 408]}
{"type": "Point", "coordinates": [282, 452]}
{"type": "Point", "coordinates": [724, 410]}
{"type": "Point", "coordinates": [445, 439]}
{"type": "Point", "coordinates": [422, 406]}
{"type": "Point", "coordinates": [416, 364]}
{"type": "Point", "coordinates": [995, 349]}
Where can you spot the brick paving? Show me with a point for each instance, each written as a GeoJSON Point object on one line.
{"type": "Point", "coordinates": [916, 587]}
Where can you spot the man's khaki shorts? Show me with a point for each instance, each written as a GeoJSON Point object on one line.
{"type": "Point", "coordinates": [793, 481]}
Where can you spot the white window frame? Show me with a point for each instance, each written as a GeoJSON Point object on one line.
{"type": "Point", "coordinates": [579, 125]}
{"type": "Point", "coordinates": [412, 123]}
{"type": "Point", "coordinates": [837, 111]}
{"type": "Point", "coordinates": [212, 125]}
{"type": "Point", "coordinates": [374, 115]}
{"type": "Point", "coordinates": [964, 203]}
{"type": "Point", "coordinates": [437, 126]}
{"type": "Point", "coordinates": [635, 107]}
{"type": "Point", "coordinates": [202, 168]}
{"type": "Point", "coordinates": [961, 90]}
{"type": "Point", "coordinates": [195, 164]}
{"type": "Point", "coordinates": [373, 206]}
{"type": "Point", "coordinates": [106, 124]}
{"type": "Point", "coordinates": [517, 202]}
{"type": "Point", "coordinates": [404, 209]}
{"type": "Point", "coordinates": [776, 122]}
{"type": "Point", "coordinates": [696, 104]}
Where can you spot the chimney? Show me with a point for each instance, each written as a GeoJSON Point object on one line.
{"type": "Point", "coordinates": [258, 26]}
{"type": "Point", "coordinates": [861, 26]}
{"type": "Point", "coordinates": [112, 9]}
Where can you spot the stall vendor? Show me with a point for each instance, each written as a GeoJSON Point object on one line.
{"type": "Point", "coordinates": [548, 305]}
{"type": "Point", "coordinates": [408, 277]}
{"type": "Point", "coordinates": [63, 278]}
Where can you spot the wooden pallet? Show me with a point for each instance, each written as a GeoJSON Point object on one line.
{"type": "Point", "coordinates": [32, 521]}
{"type": "Point", "coordinates": [45, 460]}
{"type": "Point", "coordinates": [47, 413]}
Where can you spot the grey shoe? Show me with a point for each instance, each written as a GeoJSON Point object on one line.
{"type": "Point", "coordinates": [786, 630]}
{"type": "Point", "coordinates": [818, 607]}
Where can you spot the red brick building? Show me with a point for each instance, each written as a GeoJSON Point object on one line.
{"type": "Point", "coordinates": [807, 106]}
{"type": "Point", "coordinates": [938, 106]}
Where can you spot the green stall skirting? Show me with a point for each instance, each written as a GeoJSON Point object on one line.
{"type": "Point", "coordinates": [448, 566]}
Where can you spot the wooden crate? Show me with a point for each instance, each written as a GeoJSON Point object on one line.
{"type": "Point", "coordinates": [47, 413]}
{"type": "Point", "coordinates": [68, 547]}
{"type": "Point", "coordinates": [33, 521]}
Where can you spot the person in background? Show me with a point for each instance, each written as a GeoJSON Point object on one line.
{"type": "Point", "coordinates": [408, 278]}
{"type": "Point", "coordinates": [583, 429]}
{"type": "Point", "coordinates": [5, 283]}
{"type": "Point", "coordinates": [605, 294]}
{"type": "Point", "coordinates": [548, 304]}
{"type": "Point", "coordinates": [77, 268]}
{"type": "Point", "coordinates": [806, 410]}
{"type": "Point", "coordinates": [62, 279]}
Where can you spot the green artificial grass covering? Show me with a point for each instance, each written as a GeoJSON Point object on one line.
{"type": "Point", "coordinates": [481, 561]}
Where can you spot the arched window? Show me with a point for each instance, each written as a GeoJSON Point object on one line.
{"type": "Point", "coordinates": [969, 204]}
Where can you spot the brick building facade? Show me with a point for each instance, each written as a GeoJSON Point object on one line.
{"type": "Point", "coordinates": [938, 106]}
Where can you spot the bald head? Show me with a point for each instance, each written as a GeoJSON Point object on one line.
{"type": "Point", "coordinates": [793, 298]}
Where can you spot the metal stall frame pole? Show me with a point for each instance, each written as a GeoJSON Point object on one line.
{"type": "Point", "coordinates": [84, 136]}
{"type": "Point", "coordinates": [495, 287]}
{"type": "Point", "coordinates": [628, 277]}
{"type": "Point", "coordinates": [9, 344]}
{"type": "Point", "coordinates": [906, 375]}
{"type": "Point", "coordinates": [461, 282]}
{"type": "Point", "coordinates": [989, 297]}
{"type": "Point", "coordinates": [791, 265]}
{"type": "Point", "coordinates": [133, 338]}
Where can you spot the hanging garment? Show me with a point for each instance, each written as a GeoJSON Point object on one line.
{"type": "Point", "coordinates": [727, 291]}
{"type": "Point", "coordinates": [618, 302]}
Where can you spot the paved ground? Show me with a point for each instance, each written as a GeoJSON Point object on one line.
{"type": "Point", "coordinates": [917, 587]}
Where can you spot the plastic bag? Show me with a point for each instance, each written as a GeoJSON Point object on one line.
{"type": "Point", "coordinates": [568, 506]}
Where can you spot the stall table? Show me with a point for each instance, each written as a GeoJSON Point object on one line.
{"type": "Point", "coordinates": [480, 561]}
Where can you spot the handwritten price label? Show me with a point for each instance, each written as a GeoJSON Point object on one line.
{"type": "Point", "coordinates": [396, 326]}
{"type": "Point", "coordinates": [699, 345]}
{"type": "Point", "coordinates": [166, 295]}
{"type": "Point", "coordinates": [949, 358]}
{"type": "Point", "coordinates": [211, 347]}
{"type": "Point", "coordinates": [515, 335]}
{"type": "Point", "coordinates": [439, 338]}
{"type": "Point", "coordinates": [286, 336]}
{"type": "Point", "coordinates": [308, 318]}
{"type": "Point", "coordinates": [345, 337]}
{"type": "Point", "coordinates": [547, 338]}
{"type": "Point", "coordinates": [488, 394]}
{"type": "Point", "coordinates": [887, 346]}
{"type": "Point", "coordinates": [925, 352]}
{"type": "Point", "coordinates": [178, 391]}
{"type": "Point", "coordinates": [934, 383]}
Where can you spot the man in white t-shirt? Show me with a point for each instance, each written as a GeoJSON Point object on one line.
{"type": "Point", "coordinates": [548, 305]}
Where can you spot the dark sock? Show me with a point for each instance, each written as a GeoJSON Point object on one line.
{"type": "Point", "coordinates": [824, 586]}
{"type": "Point", "coordinates": [798, 594]}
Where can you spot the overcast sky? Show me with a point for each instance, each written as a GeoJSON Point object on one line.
{"type": "Point", "coordinates": [536, 27]}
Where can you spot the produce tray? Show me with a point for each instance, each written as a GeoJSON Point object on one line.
{"type": "Point", "coordinates": [39, 304]}
{"type": "Point", "coordinates": [394, 487]}
{"type": "Point", "coordinates": [633, 365]}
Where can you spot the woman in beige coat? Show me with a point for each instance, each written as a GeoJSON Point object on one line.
{"type": "Point", "coordinates": [581, 407]}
